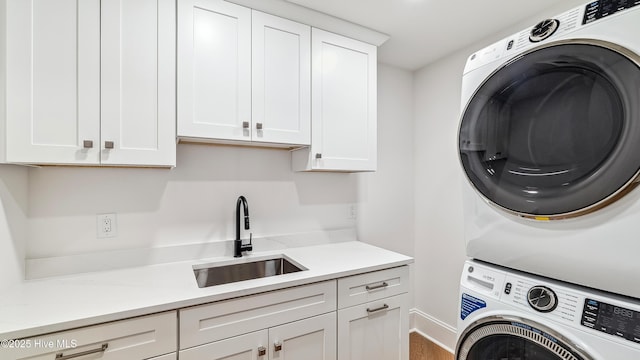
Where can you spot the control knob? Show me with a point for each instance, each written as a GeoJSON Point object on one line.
{"type": "Point", "coordinates": [543, 30]}
{"type": "Point", "coordinates": [542, 299]}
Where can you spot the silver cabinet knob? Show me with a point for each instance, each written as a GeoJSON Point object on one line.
{"type": "Point", "coordinates": [87, 144]}
{"type": "Point", "coordinates": [262, 351]}
{"type": "Point", "coordinates": [277, 346]}
{"type": "Point", "coordinates": [318, 156]}
{"type": "Point", "coordinates": [108, 144]}
{"type": "Point", "coordinates": [245, 124]}
{"type": "Point", "coordinates": [259, 126]}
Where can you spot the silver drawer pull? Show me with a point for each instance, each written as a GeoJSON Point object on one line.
{"type": "Point", "coordinates": [108, 144]}
{"type": "Point", "coordinates": [262, 351]}
{"type": "Point", "coordinates": [87, 144]}
{"type": "Point", "coordinates": [277, 346]}
{"type": "Point", "coordinates": [103, 348]}
{"type": "Point", "coordinates": [383, 307]}
{"type": "Point", "coordinates": [259, 126]}
{"type": "Point", "coordinates": [245, 124]}
{"type": "Point", "coordinates": [375, 287]}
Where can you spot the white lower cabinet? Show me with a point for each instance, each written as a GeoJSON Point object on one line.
{"type": "Point", "coordinates": [243, 347]}
{"type": "Point", "coordinates": [363, 316]}
{"type": "Point", "coordinates": [132, 339]}
{"type": "Point", "coordinates": [294, 323]}
{"type": "Point", "coordinates": [309, 339]}
{"type": "Point", "coordinates": [224, 319]}
{"type": "Point", "coordinates": [373, 315]}
{"type": "Point", "coordinates": [375, 330]}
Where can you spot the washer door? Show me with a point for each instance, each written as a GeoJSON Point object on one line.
{"type": "Point", "coordinates": [555, 132]}
{"type": "Point", "coordinates": [500, 338]}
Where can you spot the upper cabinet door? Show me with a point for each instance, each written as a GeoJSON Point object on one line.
{"type": "Point", "coordinates": [214, 70]}
{"type": "Point", "coordinates": [344, 113]}
{"type": "Point", "coordinates": [52, 81]}
{"type": "Point", "coordinates": [281, 80]}
{"type": "Point", "coordinates": [138, 82]}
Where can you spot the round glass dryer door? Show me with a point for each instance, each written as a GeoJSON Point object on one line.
{"type": "Point", "coordinates": [555, 133]}
{"type": "Point", "coordinates": [502, 339]}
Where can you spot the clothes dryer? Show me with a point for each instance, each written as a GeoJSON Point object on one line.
{"type": "Point", "coordinates": [549, 141]}
{"type": "Point", "coordinates": [512, 315]}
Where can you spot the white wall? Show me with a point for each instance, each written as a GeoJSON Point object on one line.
{"type": "Point", "coordinates": [385, 197]}
{"type": "Point", "coordinates": [439, 242]}
{"type": "Point", "coordinates": [193, 203]}
{"type": "Point", "coordinates": [13, 223]}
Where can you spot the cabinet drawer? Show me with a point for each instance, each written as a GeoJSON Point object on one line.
{"type": "Point", "coordinates": [224, 319]}
{"type": "Point", "coordinates": [372, 286]}
{"type": "Point", "coordinates": [138, 338]}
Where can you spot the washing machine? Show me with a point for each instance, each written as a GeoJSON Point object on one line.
{"type": "Point", "coordinates": [549, 142]}
{"type": "Point", "coordinates": [506, 314]}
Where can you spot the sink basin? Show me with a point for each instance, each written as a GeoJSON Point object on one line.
{"type": "Point", "coordinates": [211, 275]}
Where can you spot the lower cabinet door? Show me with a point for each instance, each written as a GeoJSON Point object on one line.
{"type": "Point", "coordinates": [375, 330]}
{"type": "Point", "coordinates": [249, 346]}
{"type": "Point", "coordinates": [310, 339]}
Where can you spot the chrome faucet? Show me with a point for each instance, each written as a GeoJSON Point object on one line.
{"type": "Point", "coordinates": [238, 246]}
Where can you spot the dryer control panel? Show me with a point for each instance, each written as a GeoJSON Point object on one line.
{"type": "Point", "coordinates": [611, 319]}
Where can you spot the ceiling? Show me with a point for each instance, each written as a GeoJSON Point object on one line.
{"type": "Point", "coordinates": [422, 31]}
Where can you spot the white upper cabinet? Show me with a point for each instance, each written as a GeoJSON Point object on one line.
{"type": "Point", "coordinates": [281, 80]}
{"type": "Point", "coordinates": [344, 107]}
{"type": "Point", "coordinates": [214, 70]}
{"type": "Point", "coordinates": [52, 81]}
{"type": "Point", "coordinates": [90, 82]}
{"type": "Point", "coordinates": [242, 75]}
{"type": "Point", "coordinates": [138, 82]}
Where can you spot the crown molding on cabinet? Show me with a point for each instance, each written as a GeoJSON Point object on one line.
{"type": "Point", "coordinates": [302, 14]}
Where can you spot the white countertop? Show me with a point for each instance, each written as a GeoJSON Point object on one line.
{"type": "Point", "coordinates": [59, 303]}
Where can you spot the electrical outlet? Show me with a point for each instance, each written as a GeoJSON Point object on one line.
{"type": "Point", "coordinates": [353, 212]}
{"type": "Point", "coordinates": [106, 226]}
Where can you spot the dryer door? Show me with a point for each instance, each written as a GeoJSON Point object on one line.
{"type": "Point", "coordinates": [555, 132]}
{"type": "Point", "coordinates": [500, 338]}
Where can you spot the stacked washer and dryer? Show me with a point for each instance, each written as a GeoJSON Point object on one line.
{"type": "Point", "coordinates": [549, 141]}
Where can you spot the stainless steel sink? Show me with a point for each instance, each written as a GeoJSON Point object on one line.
{"type": "Point", "coordinates": [210, 275]}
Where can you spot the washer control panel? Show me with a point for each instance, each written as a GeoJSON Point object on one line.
{"type": "Point", "coordinates": [554, 302]}
{"type": "Point", "coordinates": [602, 8]}
{"type": "Point", "coordinates": [611, 319]}
{"type": "Point", "coordinates": [606, 315]}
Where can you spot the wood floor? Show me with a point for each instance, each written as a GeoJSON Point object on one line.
{"type": "Point", "coordinates": [423, 349]}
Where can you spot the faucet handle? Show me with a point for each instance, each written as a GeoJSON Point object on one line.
{"type": "Point", "coordinates": [249, 246]}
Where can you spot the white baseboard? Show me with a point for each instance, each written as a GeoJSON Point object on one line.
{"type": "Point", "coordinates": [437, 331]}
